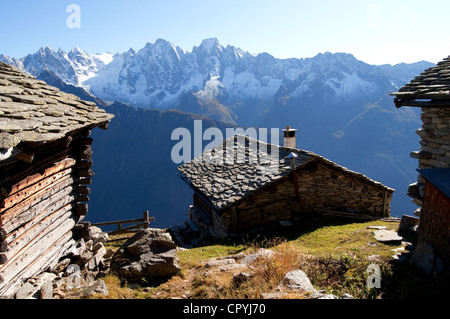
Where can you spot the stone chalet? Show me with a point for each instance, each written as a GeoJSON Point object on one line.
{"type": "Point", "coordinates": [239, 196]}
{"type": "Point", "coordinates": [431, 92]}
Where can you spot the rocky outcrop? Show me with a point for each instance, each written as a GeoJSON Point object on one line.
{"type": "Point", "coordinates": [149, 253]}
{"type": "Point", "coordinates": [83, 268]}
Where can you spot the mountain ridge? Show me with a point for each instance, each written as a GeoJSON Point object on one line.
{"type": "Point", "coordinates": [164, 76]}
{"type": "Point", "coordinates": [340, 105]}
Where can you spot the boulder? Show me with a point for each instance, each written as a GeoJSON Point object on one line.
{"type": "Point", "coordinates": [149, 253]}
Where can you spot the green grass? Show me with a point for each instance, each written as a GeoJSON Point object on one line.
{"type": "Point", "coordinates": [332, 253]}
{"type": "Point", "coordinates": [193, 257]}
{"type": "Point", "coordinates": [337, 239]}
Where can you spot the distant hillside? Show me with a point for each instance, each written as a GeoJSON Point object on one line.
{"type": "Point", "coordinates": [340, 105]}
{"type": "Point", "coordinates": [133, 168]}
{"type": "Point", "coordinates": [53, 80]}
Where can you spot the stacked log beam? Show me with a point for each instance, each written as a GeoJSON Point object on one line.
{"type": "Point", "coordinates": [41, 204]}
{"type": "Point", "coordinates": [44, 173]}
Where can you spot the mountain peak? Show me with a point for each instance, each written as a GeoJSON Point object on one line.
{"type": "Point", "coordinates": [44, 50]}
{"type": "Point", "coordinates": [160, 42]}
{"type": "Point", "coordinates": [209, 44]}
{"type": "Point", "coordinates": [77, 49]}
{"type": "Point", "coordinates": [336, 55]}
{"type": "Point", "coordinates": [131, 51]}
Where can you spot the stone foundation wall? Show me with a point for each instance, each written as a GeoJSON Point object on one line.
{"type": "Point", "coordinates": [320, 187]}
{"type": "Point", "coordinates": [435, 138]}
{"type": "Point", "coordinates": [326, 188]}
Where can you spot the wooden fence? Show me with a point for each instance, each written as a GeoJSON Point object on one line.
{"type": "Point", "coordinates": [139, 223]}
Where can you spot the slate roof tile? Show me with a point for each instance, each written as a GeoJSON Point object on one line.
{"type": "Point", "coordinates": [433, 83]}
{"type": "Point", "coordinates": [225, 183]}
{"type": "Point", "coordinates": [33, 112]}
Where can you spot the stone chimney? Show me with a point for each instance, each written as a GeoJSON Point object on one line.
{"type": "Point", "coordinates": [289, 137]}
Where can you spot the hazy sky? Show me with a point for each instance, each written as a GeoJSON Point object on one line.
{"type": "Point", "coordinates": [375, 32]}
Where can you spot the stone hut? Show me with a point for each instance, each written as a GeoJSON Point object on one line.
{"type": "Point", "coordinates": [431, 92]}
{"type": "Point", "coordinates": [435, 216]}
{"type": "Point", "coordinates": [235, 196]}
{"type": "Point", "coordinates": [45, 161]}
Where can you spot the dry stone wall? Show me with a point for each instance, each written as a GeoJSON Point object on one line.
{"type": "Point", "coordinates": [325, 188]}
{"type": "Point", "coordinates": [320, 187]}
{"type": "Point", "coordinates": [434, 146]}
{"type": "Point", "coordinates": [435, 138]}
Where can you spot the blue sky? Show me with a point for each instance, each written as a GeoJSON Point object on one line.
{"type": "Point", "coordinates": [375, 32]}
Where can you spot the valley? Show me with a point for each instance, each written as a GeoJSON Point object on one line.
{"type": "Point", "coordinates": [340, 105]}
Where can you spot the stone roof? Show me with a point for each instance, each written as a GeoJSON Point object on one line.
{"type": "Point", "coordinates": [432, 84]}
{"type": "Point", "coordinates": [33, 112]}
{"type": "Point", "coordinates": [225, 183]}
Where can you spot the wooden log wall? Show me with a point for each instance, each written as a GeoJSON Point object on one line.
{"type": "Point", "coordinates": [40, 204]}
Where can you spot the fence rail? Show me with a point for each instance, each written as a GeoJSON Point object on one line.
{"type": "Point", "coordinates": [139, 223]}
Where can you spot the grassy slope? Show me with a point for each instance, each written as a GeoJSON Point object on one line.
{"type": "Point", "coordinates": [334, 255]}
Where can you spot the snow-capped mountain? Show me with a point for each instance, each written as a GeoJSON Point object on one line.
{"type": "Point", "coordinates": [225, 83]}
{"type": "Point", "coordinates": [340, 105]}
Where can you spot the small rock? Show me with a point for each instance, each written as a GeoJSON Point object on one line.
{"type": "Point", "coordinates": [25, 291]}
{"type": "Point", "coordinates": [273, 295]}
{"type": "Point", "coordinates": [46, 291]}
{"type": "Point", "coordinates": [109, 253]}
{"type": "Point", "coordinates": [99, 287]}
{"type": "Point", "coordinates": [329, 296]}
{"type": "Point", "coordinates": [377, 227]}
{"type": "Point", "coordinates": [261, 253]}
{"type": "Point", "coordinates": [186, 295]}
{"type": "Point", "coordinates": [219, 262]}
{"type": "Point", "coordinates": [297, 280]}
{"type": "Point", "coordinates": [61, 266]}
{"type": "Point", "coordinates": [388, 236]}
{"type": "Point", "coordinates": [242, 277]}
